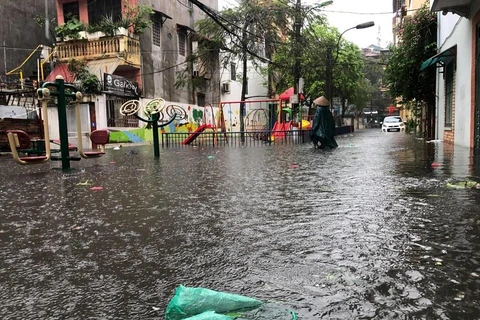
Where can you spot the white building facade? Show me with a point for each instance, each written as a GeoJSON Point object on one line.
{"type": "Point", "coordinates": [458, 64]}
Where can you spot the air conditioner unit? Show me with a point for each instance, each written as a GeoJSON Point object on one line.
{"type": "Point", "coordinates": [226, 87]}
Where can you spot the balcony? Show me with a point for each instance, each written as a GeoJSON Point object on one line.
{"type": "Point", "coordinates": [90, 47]}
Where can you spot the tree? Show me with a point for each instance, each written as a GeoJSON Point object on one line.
{"type": "Point", "coordinates": [403, 76]}
{"type": "Point", "coordinates": [317, 40]}
{"type": "Point", "coordinates": [247, 33]}
{"type": "Point", "coordinates": [349, 74]}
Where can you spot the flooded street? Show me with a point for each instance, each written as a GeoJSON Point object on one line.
{"type": "Point", "coordinates": [366, 231]}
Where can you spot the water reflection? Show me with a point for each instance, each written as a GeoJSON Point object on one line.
{"type": "Point", "coordinates": [366, 231]}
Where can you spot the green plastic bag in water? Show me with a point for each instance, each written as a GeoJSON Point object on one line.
{"type": "Point", "coordinates": [268, 311]}
{"type": "Point", "coordinates": [188, 302]}
{"type": "Point", "coordinates": [209, 315]}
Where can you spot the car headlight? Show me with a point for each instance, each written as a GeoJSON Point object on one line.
{"type": "Point", "coordinates": [402, 124]}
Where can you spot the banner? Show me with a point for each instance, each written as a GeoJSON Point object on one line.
{"type": "Point", "coordinates": [120, 86]}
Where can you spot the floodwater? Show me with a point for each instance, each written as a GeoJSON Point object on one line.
{"type": "Point", "coordinates": [366, 231]}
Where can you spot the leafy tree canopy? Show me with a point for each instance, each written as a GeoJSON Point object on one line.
{"type": "Point", "coordinates": [418, 42]}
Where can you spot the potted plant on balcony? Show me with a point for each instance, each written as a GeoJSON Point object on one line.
{"type": "Point", "coordinates": [108, 26]}
{"type": "Point", "coordinates": [70, 30]}
{"type": "Point", "coordinates": [138, 18]}
{"type": "Point", "coordinates": [94, 32]}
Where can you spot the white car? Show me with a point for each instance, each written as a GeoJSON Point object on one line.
{"type": "Point", "coordinates": [393, 124]}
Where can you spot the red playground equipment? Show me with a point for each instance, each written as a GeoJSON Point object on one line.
{"type": "Point", "coordinates": [206, 124]}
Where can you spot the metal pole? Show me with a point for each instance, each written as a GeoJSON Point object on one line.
{"type": "Point", "coordinates": [62, 124]}
{"type": "Point", "coordinates": [156, 147]}
{"type": "Point", "coordinates": [297, 52]}
{"type": "Point", "coordinates": [5, 56]}
{"type": "Point", "coordinates": [329, 75]}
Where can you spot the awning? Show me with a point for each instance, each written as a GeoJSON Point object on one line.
{"type": "Point", "coordinates": [460, 7]}
{"type": "Point", "coordinates": [285, 95]}
{"type": "Point", "coordinates": [162, 16]}
{"type": "Point", "coordinates": [61, 70]}
{"type": "Point", "coordinates": [101, 66]}
{"type": "Point", "coordinates": [187, 28]}
{"type": "Point", "coordinates": [442, 58]}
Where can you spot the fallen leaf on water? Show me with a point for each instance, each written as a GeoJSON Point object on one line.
{"type": "Point", "coordinates": [86, 183]}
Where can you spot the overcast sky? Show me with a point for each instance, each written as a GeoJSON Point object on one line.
{"type": "Point", "coordinates": [345, 14]}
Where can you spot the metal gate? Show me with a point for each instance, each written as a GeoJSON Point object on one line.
{"type": "Point", "coordinates": [114, 117]}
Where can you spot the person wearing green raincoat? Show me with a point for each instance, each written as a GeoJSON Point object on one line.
{"type": "Point", "coordinates": [323, 128]}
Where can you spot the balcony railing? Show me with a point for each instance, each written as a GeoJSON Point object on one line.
{"type": "Point", "coordinates": [121, 46]}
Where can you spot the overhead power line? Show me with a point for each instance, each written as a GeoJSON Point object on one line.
{"type": "Point", "coordinates": [365, 13]}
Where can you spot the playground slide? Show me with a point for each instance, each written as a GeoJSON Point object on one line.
{"type": "Point", "coordinates": [195, 133]}
{"type": "Point", "coordinates": [282, 127]}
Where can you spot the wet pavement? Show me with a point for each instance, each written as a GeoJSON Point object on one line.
{"type": "Point", "coordinates": [366, 231]}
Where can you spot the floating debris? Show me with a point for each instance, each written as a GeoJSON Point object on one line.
{"type": "Point", "coordinates": [86, 183]}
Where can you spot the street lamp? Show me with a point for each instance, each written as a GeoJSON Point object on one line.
{"type": "Point", "coordinates": [318, 6]}
{"type": "Point", "coordinates": [332, 61]}
{"type": "Point", "coordinates": [298, 51]}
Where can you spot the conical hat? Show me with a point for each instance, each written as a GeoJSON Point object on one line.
{"type": "Point", "coordinates": [321, 101]}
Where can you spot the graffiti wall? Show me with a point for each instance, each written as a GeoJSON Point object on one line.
{"type": "Point", "coordinates": [256, 117]}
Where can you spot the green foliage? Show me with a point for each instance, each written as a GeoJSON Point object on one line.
{"type": "Point", "coordinates": [70, 29]}
{"type": "Point", "coordinates": [138, 17]}
{"type": "Point", "coordinates": [248, 32]}
{"type": "Point", "coordinates": [319, 42]}
{"type": "Point", "coordinates": [411, 125]}
{"type": "Point", "coordinates": [40, 21]}
{"type": "Point", "coordinates": [108, 26]}
{"type": "Point", "coordinates": [91, 28]}
{"type": "Point", "coordinates": [418, 43]}
{"type": "Point", "coordinates": [89, 83]}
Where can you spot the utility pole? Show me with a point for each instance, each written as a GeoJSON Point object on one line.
{"type": "Point", "coordinates": [297, 52]}
{"type": "Point", "coordinates": [329, 75]}
{"type": "Point", "coordinates": [332, 60]}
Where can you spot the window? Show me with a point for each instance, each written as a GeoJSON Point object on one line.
{"type": "Point", "coordinates": [182, 41]}
{"type": "Point", "coordinates": [449, 94]}
{"type": "Point", "coordinates": [392, 119]}
{"type": "Point", "coordinates": [233, 71]}
{"type": "Point", "coordinates": [70, 10]}
{"type": "Point", "coordinates": [200, 99]}
{"type": "Point", "coordinates": [99, 9]}
{"type": "Point", "coordinates": [157, 23]}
